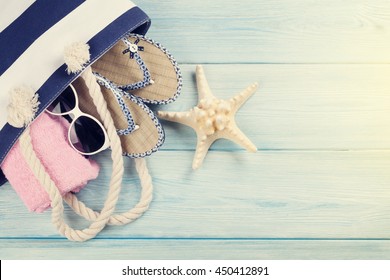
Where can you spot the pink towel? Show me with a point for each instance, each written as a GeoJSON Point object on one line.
{"type": "Point", "coordinates": [68, 169]}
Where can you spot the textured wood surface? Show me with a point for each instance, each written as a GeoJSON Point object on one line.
{"type": "Point", "coordinates": [319, 185]}
{"type": "Point", "coordinates": [195, 249]}
{"type": "Point", "coordinates": [273, 31]}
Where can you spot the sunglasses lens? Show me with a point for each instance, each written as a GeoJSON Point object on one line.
{"type": "Point", "coordinates": [64, 103]}
{"type": "Point", "coordinates": [87, 136]}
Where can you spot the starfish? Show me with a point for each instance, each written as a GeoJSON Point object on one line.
{"type": "Point", "coordinates": [212, 118]}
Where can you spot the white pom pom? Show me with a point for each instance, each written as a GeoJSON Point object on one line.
{"type": "Point", "coordinates": [22, 107]}
{"type": "Point", "coordinates": [76, 56]}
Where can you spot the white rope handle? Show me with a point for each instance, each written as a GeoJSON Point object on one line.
{"type": "Point", "coordinates": [99, 220]}
{"type": "Point", "coordinates": [124, 218]}
{"type": "Point", "coordinates": [116, 178]}
{"type": "Point", "coordinates": [146, 181]}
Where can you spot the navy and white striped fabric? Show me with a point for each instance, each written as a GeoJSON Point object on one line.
{"type": "Point", "coordinates": [33, 35]}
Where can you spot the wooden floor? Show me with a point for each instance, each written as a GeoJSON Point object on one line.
{"type": "Point", "coordinates": [319, 185]}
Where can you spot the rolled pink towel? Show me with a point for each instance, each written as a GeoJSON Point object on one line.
{"type": "Point", "coordinates": [69, 170]}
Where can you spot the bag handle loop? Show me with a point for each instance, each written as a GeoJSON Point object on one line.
{"type": "Point", "coordinates": [99, 220]}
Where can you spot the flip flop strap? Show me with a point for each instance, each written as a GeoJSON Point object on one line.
{"type": "Point", "coordinates": [118, 93]}
{"type": "Point", "coordinates": [133, 49]}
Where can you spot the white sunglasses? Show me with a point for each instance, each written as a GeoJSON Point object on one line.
{"type": "Point", "coordinates": [86, 134]}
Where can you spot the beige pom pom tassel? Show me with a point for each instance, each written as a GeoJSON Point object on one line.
{"type": "Point", "coordinates": [23, 106]}
{"type": "Point", "coordinates": [76, 57]}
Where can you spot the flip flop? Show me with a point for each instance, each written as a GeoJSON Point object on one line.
{"type": "Point", "coordinates": [140, 131]}
{"type": "Point", "coordinates": [142, 67]}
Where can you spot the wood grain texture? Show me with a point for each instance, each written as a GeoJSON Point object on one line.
{"type": "Point", "coordinates": [269, 31]}
{"type": "Point", "coordinates": [302, 107]}
{"type": "Point", "coordinates": [240, 195]}
{"type": "Point", "coordinates": [319, 186]}
{"type": "Point", "coordinates": [173, 249]}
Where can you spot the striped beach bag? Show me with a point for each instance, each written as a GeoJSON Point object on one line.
{"type": "Point", "coordinates": [45, 45]}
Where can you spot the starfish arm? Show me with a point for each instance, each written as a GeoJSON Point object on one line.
{"type": "Point", "coordinates": [179, 117]}
{"type": "Point", "coordinates": [204, 91]}
{"type": "Point", "coordinates": [236, 135]}
{"type": "Point", "coordinates": [202, 148]}
{"type": "Point", "coordinates": [238, 100]}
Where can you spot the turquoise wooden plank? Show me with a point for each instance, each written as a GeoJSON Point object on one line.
{"type": "Point", "coordinates": [241, 195]}
{"type": "Point", "coordinates": [301, 107]}
{"type": "Point", "coordinates": [270, 31]}
{"type": "Point", "coordinates": [123, 249]}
